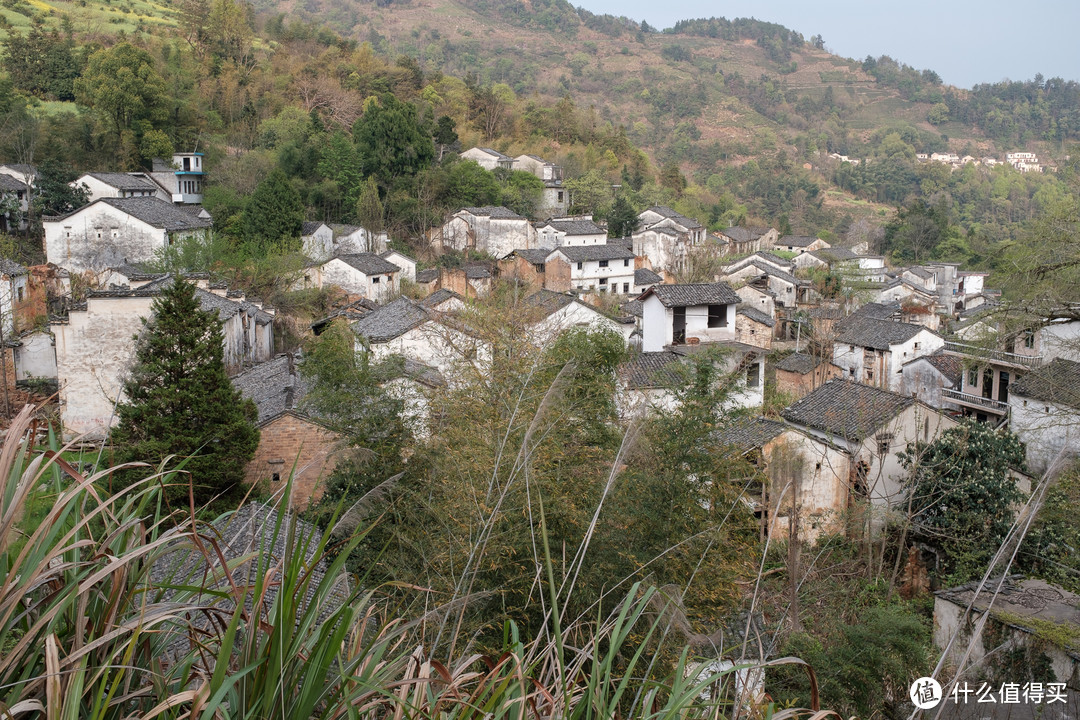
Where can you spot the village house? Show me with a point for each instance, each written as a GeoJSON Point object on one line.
{"type": "Point", "coordinates": [13, 293]}
{"type": "Point", "coordinates": [666, 237]}
{"type": "Point", "coordinates": [687, 314]}
{"type": "Point", "coordinates": [911, 296]}
{"type": "Point", "coordinates": [873, 351]}
{"type": "Point", "coordinates": [94, 347]}
{"type": "Point", "coordinates": [529, 267]}
{"type": "Point", "coordinates": [576, 231]}
{"type": "Point", "coordinates": [316, 240]}
{"type": "Point", "coordinates": [292, 443]}
{"type": "Point", "coordinates": [754, 327]}
{"type": "Point", "coordinates": [1029, 619]}
{"type": "Point", "coordinates": [800, 244]}
{"type": "Point", "coordinates": [117, 231]}
{"type": "Point", "coordinates": [994, 361]}
{"type": "Point", "coordinates": [742, 240]}
{"type": "Point", "coordinates": [181, 180]}
{"type": "Point", "coordinates": [493, 230]}
{"type": "Point", "coordinates": [488, 159]}
{"type": "Point", "coordinates": [554, 199]}
{"type": "Point", "coordinates": [14, 190]}
{"type": "Point", "coordinates": [1044, 412]}
{"type": "Point", "coordinates": [548, 314]}
{"type": "Point", "coordinates": [406, 329]}
{"type": "Point", "coordinates": [118, 185]}
{"type": "Point", "coordinates": [764, 256]}
{"type": "Point", "coordinates": [403, 261]}
{"type": "Point", "coordinates": [644, 278]}
{"type": "Point", "coordinates": [837, 259]}
{"type": "Point", "coordinates": [873, 426]}
{"type": "Point", "coordinates": [787, 290]}
{"type": "Point", "coordinates": [427, 281]}
{"type": "Point", "coordinates": [928, 376]}
{"type": "Point", "coordinates": [353, 311]}
{"type": "Point", "coordinates": [801, 471]}
{"type": "Point", "coordinates": [761, 299]}
{"type": "Point", "coordinates": [605, 268]}
{"type": "Point", "coordinates": [320, 241]}
{"type": "Point", "coordinates": [444, 300]}
{"type": "Point", "coordinates": [364, 274]}
{"type": "Point", "coordinates": [799, 374]}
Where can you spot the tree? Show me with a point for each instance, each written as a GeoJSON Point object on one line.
{"type": "Point", "coordinates": [369, 208]}
{"type": "Point", "coordinates": [53, 194]}
{"type": "Point", "coordinates": [274, 215]}
{"type": "Point", "coordinates": [622, 218]}
{"type": "Point", "coordinates": [391, 141]}
{"type": "Point", "coordinates": [179, 402]}
{"type": "Point", "coordinates": [122, 84]}
{"type": "Point", "coordinates": [42, 63]}
{"type": "Point", "coordinates": [961, 493]}
{"type": "Point", "coordinates": [445, 134]}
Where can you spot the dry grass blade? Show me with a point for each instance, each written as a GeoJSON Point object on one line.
{"type": "Point", "coordinates": [362, 508]}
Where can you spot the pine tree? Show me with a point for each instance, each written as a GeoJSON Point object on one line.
{"type": "Point", "coordinates": [181, 403]}
{"type": "Point", "coordinates": [274, 215]}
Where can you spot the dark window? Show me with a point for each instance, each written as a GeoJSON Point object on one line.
{"type": "Point", "coordinates": [717, 316]}
{"type": "Point", "coordinates": [275, 478]}
{"type": "Point", "coordinates": [1003, 386]}
{"type": "Point", "coordinates": [752, 376]}
{"type": "Point", "coordinates": [626, 263]}
{"type": "Point", "coordinates": [579, 266]}
{"type": "Point", "coordinates": [883, 444]}
{"type": "Point", "coordinates": [603, 263]}
{"type": "Point", "coordinates": [973, 377]}
{"type": "Point", "coordinates": [375, 281]}
{"type": "Point", "coordinates": [560, 196]}
{"type": "Point", "coordinates": [540, 268]}
{"type": "Point", "coordinates": [1029, 340]}
{"type": "Point", "coordinates": [626, 287]}
{"type": "Point", "coordinates": [20, 294]}
{"type": "Point", "coordinates": [603, 282]}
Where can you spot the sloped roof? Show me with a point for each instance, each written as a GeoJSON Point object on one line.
{"type": "Point", "coordinates": [834, 254]}
{"type": "Point", "coordinates": [549, 301]}
{"type": "Point", "coordinates": [652, 370]}
{"type": "Point", "coordinates": [123, 181]}
{"type": "Point", "coordinates": [536, 257]}
{"type": "Point", "coordinates": [799, 363]}
{"type": "Point", "coordinates": [745, 234]}
{"type": "Point", "coordinates": [748, 433]}
{"type": "Point", "coordinates": [353, 311]}
{"type": "Point", "coordinates": [495, 153]}
{"type": "Point", "coordinates": [495, 211]}
{"type": "Point", "coordinates": [585, 253]}
{"type": "Point", "coordinates": [575, 227]}
{"type": "Point", "coordinates": [645, 276]}
{"type": "Point", "coordinates": [919, 272]}
{"type": "Point", "coordinates": [12, 184]}
{"type": "Point", "coordinates": [881, 311]}
{"type": "Point", "coordinates": [391, 320]}
{"type": "Point", "coordinates": [154, 211]}
{"type": "Point", "coordinates": [632, 308]}
{"type": "Point", "coordinates": [426, 276]}
{"type": "Point", "coordinates": [23, 168]}
{"type": "Point", "coordinates": [438, 297]}
{"type": "Point", "coordinates": [777, 272]}
{"type": "Point", "coordinates": [626, 241]}
{"type": "Point", "coordinates": [798, 240]}
{"type": "Point", "coordinates": [477, 272]}
{"type": "Point", "coordinates": [949, 365]}
{"type": "Point", "coordinates": [1058, 382]}
{"type": "Point", "coordinates": [878, 334]}
{"type": "Point", "coordinates": [10, 268]}
{"type": "Point", "coordinates": [847, 409]}
{"type": "Point", "coordinates": [389, 253]}
{"type": "Point", "coordinates": [275, 386]}
{"type": "Point", "coordinates": [663, 210]}
{"type": "Point", "coordinates": [757, 316]}
{"type": "Point", "coordinates": [310, 226]}
{"type": "Point", "coordinates": [693, 294]}
{"type": "Point", "coordinates": [368, 263]}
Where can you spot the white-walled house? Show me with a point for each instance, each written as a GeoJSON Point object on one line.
{"type": "Point", "coordinates": [604, 268]}
{"type": "Point", "coordinates": [800, 244]}
{"type": "Point", "coordinates": [873, 426]}
{"type": "Point", "coordinates": [644, 278]}
{"type": "Point", "coordinates": [1044, 412]}
{"type": "Point", "coordinates": [95, 348]}
{"type": "Point", "coordinates": [496, 231]}
{"type": "Point", "coordinates": [787, 290]}
{"type": "Point", "coordinates": [742, 240]}
{"type": "Point", "coordinates": [34, 354]}
{"type": "Point", "coordinates": [403, 261]}
{"type": "Point", "coordinates": [558, 232]}
{"type": "Point", "coordinates": [12, 188]}
{"type": "Point", "coordinates": [666, 237]}
{"type": "Point", "coordinates": [873, 351]}
{"type": "Point", "coordinates": [118, 185]}
{"type": "Point", "coordinates": [550, 313]}
{"type": "Point", "coordinates": [554, 198]}
{"type": "Point", "coordinates": [321, 241]}
{"type": "Point", "coordinates": [13, 290]}
{"type": "Point", "coordinates": [117, 231]}
{"type": "Point", "coordinates": [364, 274]}
{"type": "Point", "coordinates": [487, 158]}
{"type": "Point", "coordinates": [316, 240]}
{"type": "Point", "coordinates": [687, 314]}
{"type": "Point", "coordinates": [929, 376]}
{"type": "Point", "coordinates": [407, 329]}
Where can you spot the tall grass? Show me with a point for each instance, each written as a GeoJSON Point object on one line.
{"type": "Point", "coordinates": [115, 606]}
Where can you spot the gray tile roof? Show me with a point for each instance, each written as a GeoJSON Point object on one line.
{"type": "Point", "coordinates": [22, 168]}
{"type": "Point", "coordinates": [353, 311]}
{"type": "Point", "coordinates": [920, 272]}
{"type": "Point", "coordinates": [632, 308]}
{"type": "Point", "coordinates": [477, 272]}
{"type": "Point", "coordinates": [626, 242]}
{"type": "Point", "coordinates": [10, 268]}
{"type": "Point", "coordinates": [495, 211]}
{"type": "Point", "coordinates": [123, 181]}
{"type": "Point", "coordinates": [369, 263]}
{"type": "Point", "coordinates": [536, 257]}
{"type": "Point", "coordinates": [689, 223]}
{"type": "Point", "coordinates": [576, 227]}
{"type": "Point", "coordinates": [496, 153]}
{"type": "Point", "coordinates": [427, 276]}
{"type": "Point", "coordinates": [310, 226]}
{"type": "Point", "coordinates": [391, 320]}
{"type": "Point", "coordinates": [438, 297]}
{"type": "Point", "coordinates": [757, 316]}
{"type": "Point", "coordinates": [156, 212]}
{"type": "Point", "coordinates": [777, 273]}
{"type": "Point", "coordinates": [693, 294]}
{"type": "Point", "coordinates": [875, 333]}
{"type": "Point", "coordinates": [549, 301]}
{"type": "Point", "coordinates": [881, 311]}
{"type": "Point", "coordinates": [586, 253]}
{"type": "Point", "coordinates": [423, 374]}
{"type": "Point", "coordinates": [224, 307]}
{"type": "Point", "coordinates": [745, 234]}
{"type": "Point", "coordinates": [645, 276]}
{"type": "Point", "coordinates": [1056, 382]}
{"type": "Point", "coordinates": [11, 184]}
{"type": "Point", "coordinates": [834, 254]}
{"type": "Point", "coordinates": [748, 433]}
{"type": "Point", "coordinates": [275, 386]}
{"type": "Point", "coordinates": [847, 409]}
{"type": "Point", "coordinates": [652, 370]}
{"type": "Point", "coordinates": [949, 365]}
{"type": "Point", "coordinates": [799, 363]}
{"type": "Point", "coordinates": [797, 240]}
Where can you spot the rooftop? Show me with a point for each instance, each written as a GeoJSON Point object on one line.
{"type": "Point", "coordinates": [426, 276]}
{"type": "Point", "coordinates": [847, 409]}
{"type": "Point", "coordinates": [10, 268]}
{"type": "Point", "coordinates": [799, 363]}
{"type": "Point", "coordinates": [575, 227]}
{"type": "Point", "coordinates": [798, 240]}
{"type": "Point", "coordinates": [310, 226]}
{"type": "Point", "coordinates": [368, 263]}
{"type": "Point", "coordinates": [495, 211]}
{"type": "Point", "coordinates": [834, 254]}
{"type": "Point", "coordinates": [123, 181]}
{"type": "Point", "coordinates": [693, 294]}
{"type": "Point", "coordinates": [877, 334]}
{"type": "Point", "coordinates": [745, 234]}
{"type": "Point", "coordinates": [275, 386]}
{"type": "Point", "coordinates": [11, 184]}
{"type": "Point", "coordinates": [652, 370]}
{"type": "Point", "coordinates": [536, 257]}
{"type": "Point", "coordinates": [645, 276]}
{"type": "Point", "coordinates": [549, 301]}
{"type": "Point", "coordinates": [152, 211]}
{"type": "Point", "coordinates": [439, 297]}
{"type": "Point", "coordinates": [748, 434]}
{"type": "Point", "coordinates": [391, 320]}
{"type": "Point", "coordinates": [663, 210]}
{"type": "Point", "coordinates": [757, 316]}
{"type": "Point", "coordinates": [948, 364]}
{"type": "Point", "coordinates": [1058, 382]}
{"type": "Point", "coordinates": [586, 253]}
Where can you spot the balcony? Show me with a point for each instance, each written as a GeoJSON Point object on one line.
{"type": "Point", "coordinates": [1007, 358]}
{"type": "Point", "coordinates": [995, 406]}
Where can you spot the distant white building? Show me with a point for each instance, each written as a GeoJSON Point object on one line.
{"type": "Point", "coordinates": [493, 230]}
{"type": "Point", "coordinates": [558, 232]}
{"type": "Point", "coordinates": [604, 268]}
{"type": "Point", "coordinates": [666, 237]}
{"type": "Point", "coordinates": [488, 159]}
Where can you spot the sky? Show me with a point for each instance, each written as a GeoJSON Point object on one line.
{"type": "Point", "coordinates": [965, 41]}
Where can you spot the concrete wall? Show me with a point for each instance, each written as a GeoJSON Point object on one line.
{"type": "Point", "coordinates": [925, 382]}
{"type": "Point", "coordinates": [812, 473]}
{"type": "Point", "coordinates": [379, 288]}
{"type": "Point", "coordinates": [574, 315]}
{"type": "Point", "coordinates": [292, 445]}
{"type": "Point", "coordinates": [406, 263]}
{"type": "Point", "coordinates": [885, 367]}
{"type": "Point", "coordinates": [656, 330]}
{"type": "Point", "coordinates": [757, 299]}
{"type": "Point", "coordinates": [36, 357]}
{"type": "Point", "coordinates": [439, 346]}
{"type": "Point", "coordinates": [1047, 430]}
{"type": "Point", "coordinates": [320, 244]}
{"type": "Point", "coordinates": [99, 236]}
{"type": "Point", "coordinates": [792, 383]}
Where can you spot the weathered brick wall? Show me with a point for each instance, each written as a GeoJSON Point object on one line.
{"type": "Point", "coordinates": [521, 270]}
{"type": "Point", "coordinates": [557, 275]}
{"type": "Point", "coordinates": [752, 332]}
{"type": "Point", "coordinates": [291, 440]}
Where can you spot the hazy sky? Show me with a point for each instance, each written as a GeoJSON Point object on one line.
{"type": "Point", "coordinates": [965, 41]}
